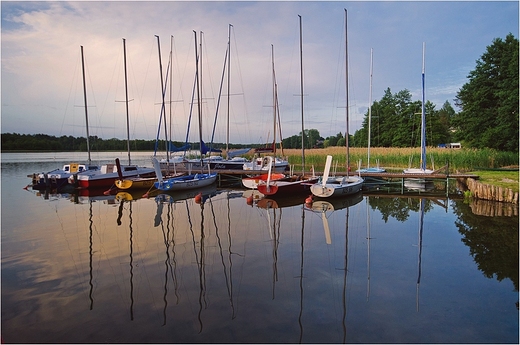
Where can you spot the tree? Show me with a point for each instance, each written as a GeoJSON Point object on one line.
{"type": "Point", "coordinates": [313, 136]}
{"type": "Point", "coordinates": [438, 125]}
{"type": "Point", "coordinates": [489, 101]}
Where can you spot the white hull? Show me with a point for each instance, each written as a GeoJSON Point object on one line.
{"type": "Point", "coordinates": [339, 186]}
{"type": "Point", "coordinates": [277, 165]}
{"type": "Point", "coordinates": [418, 171]}
{"type": "Point", "coordinates": [106, 176]}
{"type": "Point", "coordinates": [186, 182]}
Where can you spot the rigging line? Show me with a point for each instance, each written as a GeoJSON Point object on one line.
{"type": "Point", "coordinates": [207, 73]}
{"type": "Point", "coordinates": [94, 97]}
{"type": "Point", "coordinates": [69, 96]}
{"type": "Point", "coordinates": [218, 99]}
{"type": "Point", "coordinates": [115, 75]}
{"type": "Point", "coordinates": [236, 58]}
{"type": "Point", "coordinates": [338, 86]}
{"type": "Point", "coordinates": [144, 85]}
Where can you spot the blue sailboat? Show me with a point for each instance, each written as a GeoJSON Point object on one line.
{"type": "Point", "coordinates": [422, 167]}
{"type": "Point", "coordinates": [189, 181]}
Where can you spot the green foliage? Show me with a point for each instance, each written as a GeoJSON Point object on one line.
{"type": "Point", "coordinates": [396, 122]}
{"type": "Point", "coordinates": [492, 242]}
{"type": "Point", "coordinates": [43, 142]}
{"type": "Point", "coordinates": [489, 101]}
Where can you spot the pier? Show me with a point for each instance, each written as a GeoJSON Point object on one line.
{"type": "Point", "coordinates": [227, 177]}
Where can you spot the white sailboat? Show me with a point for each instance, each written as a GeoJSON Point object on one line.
{"type": "Point", "coordinates": [368, 169]}
{"type": "Point", "coordinates": [422, 168]}
{"type": "Point", "coordinates": [331, 187]}
{"type": "Point", "coordinates": [276, 164]}
{"type": "Point", "coordinates": [133, 182]}
{"type": "Point", "coordinates": [109, 173]}
{"type": "Point", "coordinates": [58, 179]}
{"type": "Point", "coordinates": [296, 184]}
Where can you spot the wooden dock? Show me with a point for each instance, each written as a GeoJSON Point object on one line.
{"type": "Point", "coordinates": [385, 175]}
{"type": "Point", "coordinates": [235, 176]}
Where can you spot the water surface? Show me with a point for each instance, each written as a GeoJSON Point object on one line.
{"type": "Point", "coordinates": [390, 269]}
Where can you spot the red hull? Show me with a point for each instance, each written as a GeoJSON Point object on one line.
{"type": "Point", "coordinates": [286, 188]}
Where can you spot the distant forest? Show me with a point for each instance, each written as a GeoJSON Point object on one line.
{"type": "Point", "coordinates": [44, 142]}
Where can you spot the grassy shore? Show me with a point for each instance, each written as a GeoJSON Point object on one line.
{"type": "Point", "coordinates": [396, 159]}
{"type": "Point", "coordinates": [505, 179]}
{"type": "Point", "coordinates": [457, 160]}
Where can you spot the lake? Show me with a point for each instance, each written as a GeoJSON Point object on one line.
{"type": "Point", "coordinates": [372, 268]}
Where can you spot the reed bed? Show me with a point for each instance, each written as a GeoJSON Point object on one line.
{"type": "Point", "coordinates": [394, 159]}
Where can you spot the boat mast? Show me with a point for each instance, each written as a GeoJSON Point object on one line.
{"type": "Point", "coordinates": [85, 98]}
{"type": "Point", "coordinates": [171, 94]}
{"type": "Point", "coordinates": [301, 95]}
{"type": "Point", "coordinates": [370, 107]}
{"type": "Point", "coordinates": [346, 91]}
{"type": "Point", "coordinates": [126, 102]}
{"type": "Point", "coordinates": [199, 88]}
{"type": "Point", "coordinates": [274, 101]}
{"type": "Point", "coordinates": [423, 120]}
{"type": "Point", "coordinates": [228, 87]}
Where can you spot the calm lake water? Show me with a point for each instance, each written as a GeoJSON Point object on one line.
{"type": "Point", "coordinates": [376, 269]}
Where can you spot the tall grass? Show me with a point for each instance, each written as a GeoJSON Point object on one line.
{"type": "Point", "coordinates": [398, 158]}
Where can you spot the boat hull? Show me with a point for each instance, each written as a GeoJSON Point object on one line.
{"type": "Point", "coordinates": [217, 163]}
{"type": "Point", "coordinates": [98, 179]}
{"type": "Point", "coordinates": [186, 182]}
{"type": "Point", "coordinates": [58, 179]}
{"type": "Point", "coordinates": [252, 182]}
{"type": "Point", "coordinates": [285, 188]}
{"type": "Point", "coordinates": [135, 183]}
{"type": "Point", "coordinates": [43, 182]}
{"type": "Point", "coordinates": [338, 187]}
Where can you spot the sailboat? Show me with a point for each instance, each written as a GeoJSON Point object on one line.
{"type": "Point", "coordinates": [276, 164]}
{"type": "Point", "coordinates": [106, 176]}
{"type": "Point", "coordinates": [295, 184]}
{"type": "Point", "coordinates": [233, 161]}
{"type": "Point", "coordinates": [422, 169]}
{"type": "Point", "coordinates": [337, 186]}
{"type": "Point", "coordinates": [189, 181]}
{"type": "Point", "coordinates": [58, 179]}
{"type": "Point", "coordinates": [134, 182]}
{"type": "Point", "coordinates": [327, 187]}
{"type": "Point", "coordinates": [368, 169]}
{"type": "Point", "coordinates": [253, 181]}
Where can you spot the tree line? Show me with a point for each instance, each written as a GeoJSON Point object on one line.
{"type": "Point", "coordinates": [488, 117]}
{"type": "Point", "coordinates": [44, 142]}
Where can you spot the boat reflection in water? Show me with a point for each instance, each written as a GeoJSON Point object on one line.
{"type": "Point", "coordinates": [214, 269]}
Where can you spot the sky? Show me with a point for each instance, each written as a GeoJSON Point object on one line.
{"type": "Point", "coordinates": [42, 86]}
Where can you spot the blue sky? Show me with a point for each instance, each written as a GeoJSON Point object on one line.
{"type": "Point", "coordinates": [42, 88]}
